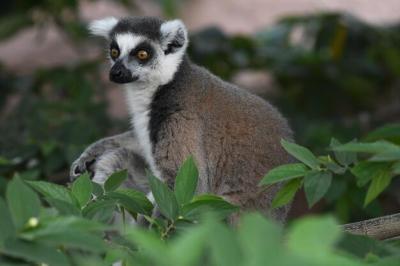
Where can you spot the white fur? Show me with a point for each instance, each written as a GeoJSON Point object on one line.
{"type": "Point", "coordinates": [126, 42]}
{"type": "Point", "coordinates": [102, 27]}
{"type": "Point", "coordinates": [150, 197]}
{"type": "Point", "coordinates": [168, 66]}
{"type": "Point", "coordinates": [170, 28]}
{"type": "Point", "coordinates": [104, 167]}
{"type": "Point", "coordinates": [139, 100]}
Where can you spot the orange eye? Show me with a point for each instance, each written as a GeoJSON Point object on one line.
{"type": "Point", "coordinates": [114, 53]}
{"type": "Point", "coordinates": [142, 55]}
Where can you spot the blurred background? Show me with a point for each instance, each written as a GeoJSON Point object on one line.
{"type": "Point", "coordinates": [332, 67]}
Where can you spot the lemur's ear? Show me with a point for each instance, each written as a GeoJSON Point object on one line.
{"type": "Point", "coordinates": [102, 27]}
{"type": "Point", "coordinates": [174, 36]}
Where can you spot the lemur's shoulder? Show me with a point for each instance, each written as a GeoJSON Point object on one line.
{"type": "Point", "coordinates": [208, 95]}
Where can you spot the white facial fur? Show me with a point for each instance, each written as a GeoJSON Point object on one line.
{"type": "Point", "coordinates": [102, 27]}
{"type": "Point", "coordinates": [127, 42]}
{"type": "Point", "coordinates": [159, 72]}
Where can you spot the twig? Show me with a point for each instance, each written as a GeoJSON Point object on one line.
{"type": "Point", "coordinates": [384, 227]}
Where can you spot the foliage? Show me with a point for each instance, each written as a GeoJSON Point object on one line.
{"type": "Point", "coordinates": [378, 164]}
{"type": "Point", "coordinates": [72, 227]}
{"type": "Point", "coordinates": [19, 14]}
{"type": "Point", "coordinates": [56, 116]}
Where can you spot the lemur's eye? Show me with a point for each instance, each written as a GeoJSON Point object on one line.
{"type": "Point", "coordinates": [114, 53]}
{"type": "Point", "coordinates": [142, 55]}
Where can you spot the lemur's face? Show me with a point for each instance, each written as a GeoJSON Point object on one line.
{"type": "Point", "coordinates": [142, 50]}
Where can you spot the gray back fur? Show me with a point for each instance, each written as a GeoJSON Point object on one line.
{"type": "Point", "coordinates": [233, 135]}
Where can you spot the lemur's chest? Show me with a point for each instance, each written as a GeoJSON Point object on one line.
{"type": "Point", "coordinates": [139, 103]}
{"type": "Point", "coordinates": [151, 112]}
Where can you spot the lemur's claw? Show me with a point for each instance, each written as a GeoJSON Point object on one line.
{"type": "Point", "coordinates": [80, 166]}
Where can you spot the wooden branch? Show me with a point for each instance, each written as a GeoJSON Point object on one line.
{"type": "Point", "coordinates": [384, 227]}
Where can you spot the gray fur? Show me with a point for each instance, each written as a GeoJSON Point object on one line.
{"type": "Point", "coordinates": [233, 135]}
{"type": "Point", "coordinates": [112, 154]}
{"type": "Point", "coordinates": [145, 26]}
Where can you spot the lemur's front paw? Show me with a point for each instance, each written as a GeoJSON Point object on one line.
{"type": "Point", "coordinates": [81, 165]}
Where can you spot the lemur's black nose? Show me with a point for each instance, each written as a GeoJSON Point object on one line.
{"type": "Point", "coordinates": [120, 74]}
{"type": "Point", "coordinates": [117, 73]}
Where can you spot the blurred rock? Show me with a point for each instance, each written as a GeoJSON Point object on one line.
{"type": "Point", "coordinates": [34, 48]}
{"type": "Point", "coordinates": [256, 81]}
{"type": "Point", "coordinates": [238, 16]}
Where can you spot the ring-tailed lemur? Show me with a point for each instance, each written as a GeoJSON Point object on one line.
{"type": "Point", "coordinates": [179, 109]}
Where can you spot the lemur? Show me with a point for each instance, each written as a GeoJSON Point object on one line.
{"type": "Point", "coordinates": [178, 109]}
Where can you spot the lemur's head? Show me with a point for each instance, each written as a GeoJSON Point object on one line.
{"type": "Point", "coordinates": [141, 49]}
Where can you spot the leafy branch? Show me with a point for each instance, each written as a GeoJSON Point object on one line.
{"type": "Point", "coordinates": [374, 163]}
{"type": "Point", "coordinates": [72, 227]}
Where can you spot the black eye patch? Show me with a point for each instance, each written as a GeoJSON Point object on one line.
{"type": "Point", "coordinates": [114, 45]}
{"type": "Point", "coordinates": [144, 46]}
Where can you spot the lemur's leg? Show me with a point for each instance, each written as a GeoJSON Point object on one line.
{"type": "Point", "coordinates": [87, 159]}
{"type": "Point", "coordinates": [120, 159]}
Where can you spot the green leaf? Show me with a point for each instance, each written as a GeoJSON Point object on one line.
{"type": "Point", "coordinates": [22, 201]}
{"type": "Point", "coordinates": [390, 132]}
{"type": "Point", "coordinates": [331, 165]}
{"type": "Point", "coordinates": [336, 191]}
{"type": "Point", "coordinates": [61, 223]}
{"type": "Point", "coordinates": [256, 247]}
{"type": "Point", "coordinates": [70, 238]}
{"type": "Point", "coordinates": [301, 153]}
{"type": "Point", "coordinates": [316, 184]}
{"type": "Point", "coordinates": [132, 200]}
{"type": "Point", "coordinates": [115, 180]}
{"type": "Point", "coordinates": [396, 168]}
{"type": "Point", "coordinates": [151, 246]}
{"type": "Point", "coordinates": [63, 207]}
{"type": "Point", "coordinates": [205, 203]}
{"type": "Point", "coordinates": [345, 158]}
{"type": "Point", "coordinates": [101, 210]}
{"type": "Point", "coordinates": [186, 181]}
{"type": "Point", "coordinates": [82, 189]}
{"type": "Point", "coordinates": [7, 228]}
{"type": "Point", "coordinates": [386, 156]}
{"type": "Point", "coordinates": [189, 247]}
{"type": "Point", "coordinates": [225, 249]}
{"type": "Point", "coordinates": [364, 171]}
{"type": "Point", "coordinates": [98, 190]}
{"type": "Point", "coordinates": [388, 261]}
{"type": "Point", "coordinates": [53, 191]}
{"type": "Point", "coordinates": [36, 252]}
{"type": "Point", "coordinates": [164, 198]}
{"type": "Point", "coordinates": [378, 184]}
{"type": "Point", "coordinates": [284, 172]}
{"type": "Point", "coordinates": [313, 235]}
{"type": "Point", "coordinates": [373, 147]}
{"type": "Point", "coordinates": [286, 193]}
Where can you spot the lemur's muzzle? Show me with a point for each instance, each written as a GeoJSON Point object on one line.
{"type": "Point", "coordinates": [120, 74]}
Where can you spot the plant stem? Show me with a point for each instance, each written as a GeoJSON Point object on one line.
{"type": "Point", "coordinates": [167, 230]}
{"type": "Point", "coordinates": [384, 227]}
